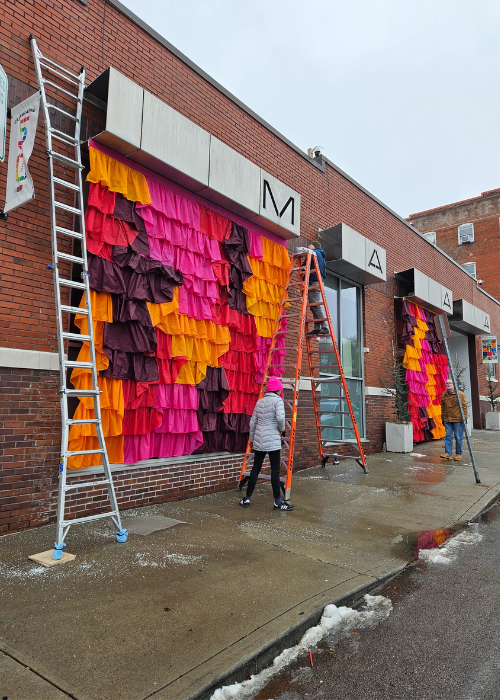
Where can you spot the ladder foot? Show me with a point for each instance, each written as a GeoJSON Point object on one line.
{"type": "Point", "coordinates": [58, 548]}
{"type": "Point", "coordinates": [363, 466]}
{"type": "Point", "coordinates": [241, 484]}
{"type": "Point", "coordinates": [121, 536]}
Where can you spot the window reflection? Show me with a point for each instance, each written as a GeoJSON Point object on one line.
{"type": "Point", "coordinates": [350, 341]}
{"type": "Point", "coordinates": [344, 304]}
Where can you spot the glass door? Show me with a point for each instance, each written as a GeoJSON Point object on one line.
{"type": "Point", "coordinates": [344, 303]}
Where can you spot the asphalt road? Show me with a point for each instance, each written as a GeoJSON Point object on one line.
{"type": "Point", "coordinates": [441, 641]}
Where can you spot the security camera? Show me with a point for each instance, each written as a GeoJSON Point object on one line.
{"type": "Point", "coordinates": [479, 281]}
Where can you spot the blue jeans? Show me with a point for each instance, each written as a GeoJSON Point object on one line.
{"type": "Point", "coordinates": [456, 429]}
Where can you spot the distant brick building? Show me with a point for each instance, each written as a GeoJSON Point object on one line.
{"type": "Point", "coordinates": [120, 50]}
{"type": "Point", "coordinates": [469, 232]}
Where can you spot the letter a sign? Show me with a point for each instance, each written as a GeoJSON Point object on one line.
{"type": "Point", "coordinates": [24, 118]}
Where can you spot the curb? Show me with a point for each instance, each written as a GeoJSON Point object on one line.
{"type": "Point", "coordinates": [265, 655]}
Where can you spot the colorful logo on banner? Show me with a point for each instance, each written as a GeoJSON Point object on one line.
{"type": "Point", "coordinates": [490, 349]}
{"type": "Point", "coordinates": [24, 119]}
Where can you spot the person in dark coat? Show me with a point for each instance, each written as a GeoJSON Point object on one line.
{"type": "Point", "coordinates": [452, 421]}
{"type": "Point", "coordinates": [266, 425]}
{"type": "Point", "coordinates": [314, 295]}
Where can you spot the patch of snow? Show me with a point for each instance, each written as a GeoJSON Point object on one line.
{"type": "Point", "coordinates": [447, 552]}
{"type": "Point", "coordinates": [334, 621]}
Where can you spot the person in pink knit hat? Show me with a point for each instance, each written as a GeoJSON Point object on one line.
{"type": "Point", "coordinates": [266, 426]}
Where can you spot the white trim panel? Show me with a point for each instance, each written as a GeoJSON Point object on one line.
{"type": "Point", "coordinates": [29, 359]}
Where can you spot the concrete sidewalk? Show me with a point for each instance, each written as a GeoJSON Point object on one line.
{"type": "Point", "coordinates": [174, 614]}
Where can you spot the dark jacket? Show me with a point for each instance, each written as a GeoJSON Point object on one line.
{"type": "Point", "coordinates": [450, 412]}
{"type": "Point", "coordinates": [320, 256]}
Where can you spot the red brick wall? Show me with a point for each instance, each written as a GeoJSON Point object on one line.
{"type": "Point", "coordinates": [72, 34]}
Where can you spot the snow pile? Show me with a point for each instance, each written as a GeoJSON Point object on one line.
{"type": "Point", "coordinates": [334, 620]}
{"type": "Point", "coordinates": [447, 552]}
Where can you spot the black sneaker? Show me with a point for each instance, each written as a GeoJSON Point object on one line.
{"type": "Point", "coordinates": [312, 333]}
{"type": "Point", "coordinates": [323, 331]}
{"type": "Point", "coordinates": [284, 506]}
{"type": "Point", "coordinates": [245, 502]}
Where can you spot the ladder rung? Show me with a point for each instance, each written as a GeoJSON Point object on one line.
{"type": "Point", "coordinates": [75, 521]}
{"type": "Point", "coordinates": [76, 336]}
{"type": "Point", "coordinates": [295, 284]}
{"type": "Point", "coordinates": [74, 310]}
{"type": "Point", "coordinates": [71, 283]}
{"type": "Point", "coordinates": [343, 456]}
{"type": "Point", "coordinates": [87, 484]}
{"type": "Point", "coordinates": [295, 269]}
{"type": "Point", "coordinates": [85, 452]}
{"type": "Point", "coordinates": [68, 232]}
{"type": "Point", "coordinates": [64, 159]}
{"type": "Point", "coordinates": [316, 303]}
{"type": "Point", "coordinates": [70, 258]}
{"type": "Point", "coordinates": [311, 288]}
{"type": "Point", "coordinates": [58, 87]}
{"type": "Point", "coordinates": [65, 138]}
{"type": "Point", "coordinates": [69, 185]}
{"type": "Point", "coordinates": [44, 60]}
{"type": "Point", "coordinates": [76, 363]}
{"type": "Point", "coordinates": [66, 207]}
{"type": "Point", "coordinates": [82, 392]}
{"type": "Point", "coordinates": [58, 109]}
{"type": "Point", "coordinates": [266, 477]}
{"type": "Point", "coordinates": [315, 320]}
{"type": "Point", "coordinates": [74, 79]}
{"type": "Point", "coordinates": [83, 421]}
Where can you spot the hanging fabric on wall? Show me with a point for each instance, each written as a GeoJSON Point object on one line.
{"type": "Point", "coordinates": [181, 331]}
{"type": "Point", "coordinates": [426, 371]}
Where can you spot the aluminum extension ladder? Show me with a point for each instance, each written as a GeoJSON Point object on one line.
{"type": "Point", "coordinates": [296, 290]}
{"type": "Point", "coordinates": [68, 226]}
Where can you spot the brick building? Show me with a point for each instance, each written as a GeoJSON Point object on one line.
{"type": "Point", "coordinates": [469, 232]}
{"type": "Point", "coordinates": [391, 259]}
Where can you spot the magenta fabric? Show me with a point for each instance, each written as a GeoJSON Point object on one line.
{"type": "Point", "coordinates": [255, 244]}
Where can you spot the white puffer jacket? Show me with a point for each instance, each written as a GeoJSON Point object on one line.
{"type": "Point", "coordinates": [267, 422]}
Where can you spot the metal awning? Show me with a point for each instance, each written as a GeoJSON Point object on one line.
{"type": "Point", "coordinates": [351, 255]}
{"type": "Point", "coordinates": [141, 127]}
{"type": "Point", "coordinates": [469, 319]}
{"type": "Point", "coordinates": [426, 291]}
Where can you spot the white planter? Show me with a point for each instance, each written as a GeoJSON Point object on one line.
{"type": "Point", "coordinates": [399, 437]}
{"type": "Point", "coordinates": [492, 420]}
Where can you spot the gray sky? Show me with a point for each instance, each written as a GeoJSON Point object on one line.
{"type": "Point", "coordinates": [401, 94]}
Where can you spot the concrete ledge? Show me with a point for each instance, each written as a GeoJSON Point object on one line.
{"type": "Point", "coordinates": [29, 359]}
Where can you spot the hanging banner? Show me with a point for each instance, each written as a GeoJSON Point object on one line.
{"type": "Point", "coordinates": [23, 122]}
{"type": "Point", "coordinates": [4, 93]}
{"type": "Point", "coordinates": [490, 349]}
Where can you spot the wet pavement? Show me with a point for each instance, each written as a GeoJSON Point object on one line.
{"type": "Point", "coordinates": [173, 614]}
{"type": "Point", "coordinates": [439, 643]}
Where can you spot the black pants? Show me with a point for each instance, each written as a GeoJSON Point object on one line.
{"type": "Point", "coordinates": [258, 459]}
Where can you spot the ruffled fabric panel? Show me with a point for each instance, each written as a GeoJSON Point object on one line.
{"type": "Point", "coordinates": [179, 354]}
{"type": "Point", "coordinates": [426, 372]}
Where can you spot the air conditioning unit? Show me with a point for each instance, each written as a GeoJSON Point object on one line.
{"type": "Point", "coordinates": [466, 238]}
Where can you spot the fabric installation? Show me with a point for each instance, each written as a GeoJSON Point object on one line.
{"type": "Point", "coordinates": [426, 371]}
{"type": "Point", "coordinates": [184, 304]}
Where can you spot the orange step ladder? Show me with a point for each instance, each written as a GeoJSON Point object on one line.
{"type": "Point", "coordinates": [296, 294]}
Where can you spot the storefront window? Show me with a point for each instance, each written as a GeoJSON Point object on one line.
{"type": "Point", "coordinates": [344, 304]}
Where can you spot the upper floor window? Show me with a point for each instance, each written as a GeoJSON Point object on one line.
{"type": "Point", "coordinates": [466, 233]}
{"type": "Point", "coordinates": [431, 237]}
{"type": "Point", "coordinates": [470, 268]}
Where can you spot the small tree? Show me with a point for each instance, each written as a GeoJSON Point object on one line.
{"type": "Point", "coordinates": [400, 391]}
{"type": "Point", "coordinates": [459, 372]}
{"type": "Point", "coordinates": [493, 389]}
